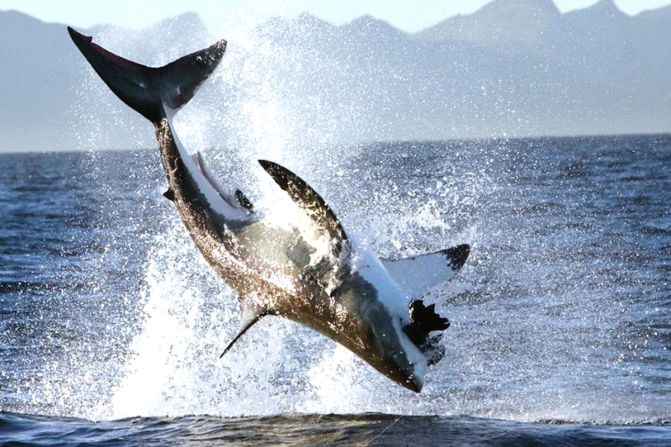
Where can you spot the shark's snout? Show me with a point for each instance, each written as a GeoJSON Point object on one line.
{"type": "Point", "coordinates": [410, 376]}
{"type": "Point", "coordinates": [403, 361]}
{"type": "Point", "coordinates": [415, 384]}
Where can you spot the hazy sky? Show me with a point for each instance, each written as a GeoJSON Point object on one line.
{"type": "Point", "coordinates": [409, 15]}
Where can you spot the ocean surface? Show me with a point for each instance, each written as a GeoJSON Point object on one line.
{"type": "Point", "coordinates": [111, 323]}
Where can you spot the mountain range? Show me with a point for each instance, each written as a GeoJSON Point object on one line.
{"type": "Point", "coordinates": [513, 68]}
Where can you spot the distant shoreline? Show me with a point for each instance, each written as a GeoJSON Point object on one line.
{"type": "Point", "coordinates": [617, 137]}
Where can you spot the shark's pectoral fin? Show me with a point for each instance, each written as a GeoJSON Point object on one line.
{"type": "Point", "coordinates": [309, 201]}
{"type": "Point", "coordinates": [251, 311]}
{"type": "Point", "coordinates": [245, 327]}
{"type": "Point", "coordinates": [419, 274]}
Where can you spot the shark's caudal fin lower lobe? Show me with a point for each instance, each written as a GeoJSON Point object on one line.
{"type": "Point", "coordinates": [152, 92]}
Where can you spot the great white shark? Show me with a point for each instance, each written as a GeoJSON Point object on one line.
{"type": "Point", "coordinates": [315, 276]}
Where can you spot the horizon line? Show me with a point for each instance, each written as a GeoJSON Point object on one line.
{"type": "Point", "coordinates": [426, 141]}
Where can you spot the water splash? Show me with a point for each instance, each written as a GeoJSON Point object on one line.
{"type": "Point", "coordinates": [527, 342]}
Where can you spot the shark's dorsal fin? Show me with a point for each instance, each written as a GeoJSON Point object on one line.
{"type": "Point", "coordinates": [251, 311]}
{"type": "Point", "coordinates": [309, 201]}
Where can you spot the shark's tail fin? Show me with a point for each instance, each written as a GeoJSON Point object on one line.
{"type": "Point", "coordinates": [153, 92]}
